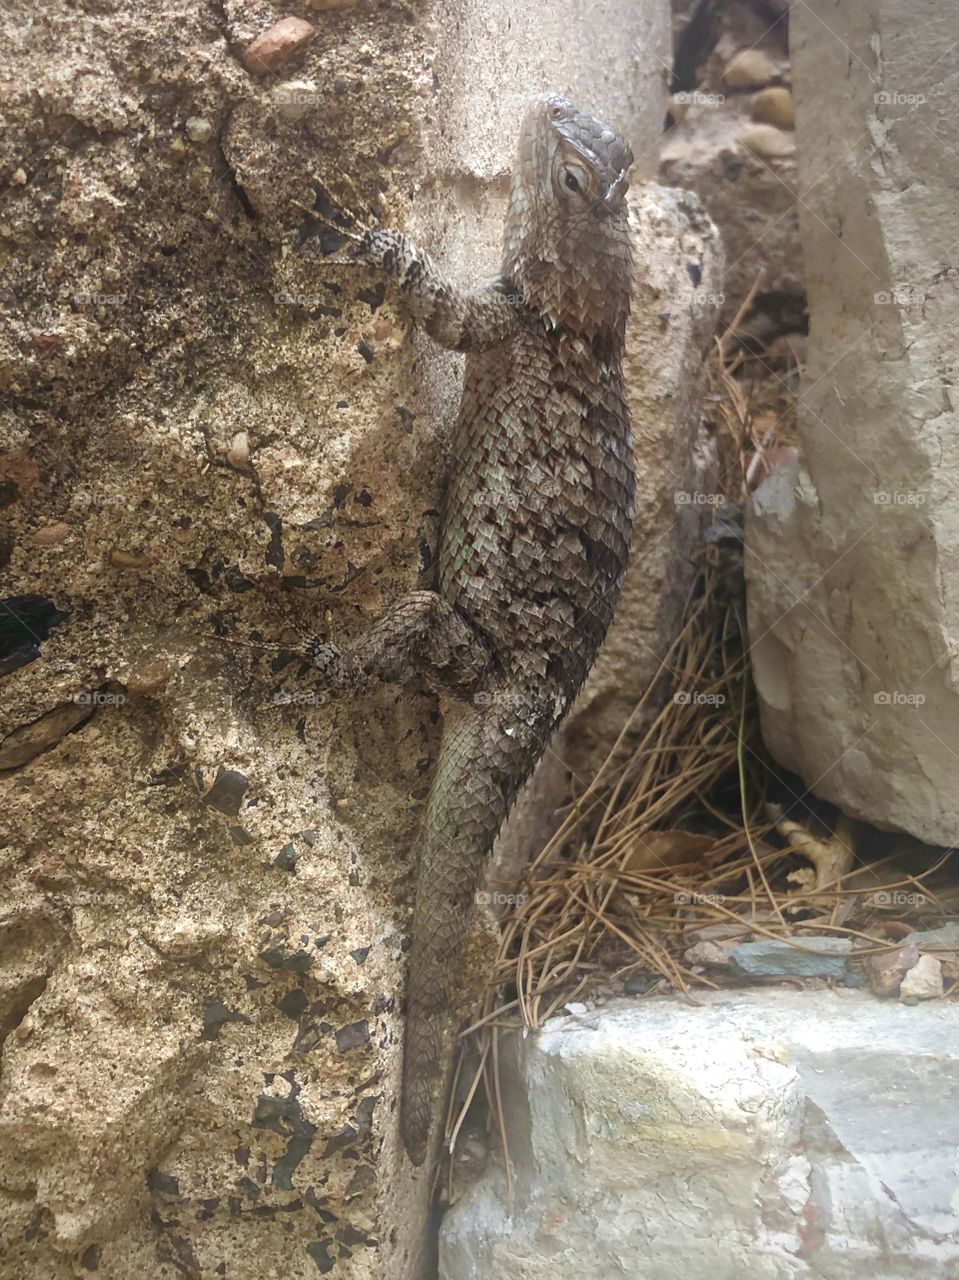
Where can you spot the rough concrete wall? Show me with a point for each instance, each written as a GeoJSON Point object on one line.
{"type": "Point", "coordinates": [852, 557]}
{"type": "Point", "coordinates": [209, 432]}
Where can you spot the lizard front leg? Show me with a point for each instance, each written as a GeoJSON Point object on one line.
{"type": "Point", "coordinates": [456, 318]}
{"type": "Point", "coordinates": [419, 635]}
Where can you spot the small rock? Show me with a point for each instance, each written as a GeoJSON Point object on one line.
{"type": "Point", "coordinates": [278, 957]}
{"type": "Point", "coordinates": [150, 679]}
{"type": "Point", "coordinates": [51, 535]}
{"type": "Point", "coordinates": [295, 98]}
{"type": "Point", "coordinates": [164, 1183]}
{"type": "Point", "coordinates": [639, 986]}
{"type": "Point", "coordinates": [887, 970]}
{"type": "Point", "coordinates": [774, 106]}
{"type": "Point", "coordinates": [238, 453]}
{"type": "Point", "coordinates": [750, 68]}
{"type": "Point", "coordinates": [121, 559]}
{"type": "Point", "coordinates": [226, 794]}
{"type": "Point", "coordinates": [352, 1036]}
{"type": "Point", "coordinates": [215, 1016]}
{"type": "Point", "coordinates": [575, 1007]}
{"type": "Point", "coordinates": [270, 50]}
{"type": "Point", "coordinates": [198, 129]}
{"type": "Point", "coordinates": [294, 1004]}
{"type": "Point", "coordinates": [27, 741]}
{"type": "Point", "coordinates": [709, 953]}
{"type": "Point", "coordinates": [286, 858]}
{"type": "Point", "coordinates": [767, 142]}
{"type": "Point", "coordinates": [19, 178]}
{"type": "Point", "coordinates": [270, 1112]}
{"type": "Point", "coordinates": [943, 943]}
{"type": "Point", "coordinates": [772, 958]}
{"type": "Point", "coordinates": [923, 981]}
{"type": "Point", "coordinates": [946, 937]}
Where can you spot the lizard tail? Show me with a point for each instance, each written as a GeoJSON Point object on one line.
{"type": "Point", "coordinates": [487, 754]}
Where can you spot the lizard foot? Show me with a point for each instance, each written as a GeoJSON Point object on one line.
{"type": "Point", "coordinates": [341, 223]}
{"type": "Point", "coordinates": [328, 659]}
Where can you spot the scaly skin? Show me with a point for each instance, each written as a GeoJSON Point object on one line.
{"type": "Point", "coordinates": [535, 528]}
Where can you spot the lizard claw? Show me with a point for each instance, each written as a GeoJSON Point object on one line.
{"type": "Point", "coordinates": [339, 221]}
{"type": "Point", "coordinates": [264, 646]}
{"type": "Point", "coordinates": [327, 659]}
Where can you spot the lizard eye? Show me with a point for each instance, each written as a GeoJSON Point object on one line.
{"type": "Point", "coordinates": [575, 179]}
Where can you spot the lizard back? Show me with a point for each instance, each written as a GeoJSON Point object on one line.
{"type": "Point", "coordinates": [539, 504]}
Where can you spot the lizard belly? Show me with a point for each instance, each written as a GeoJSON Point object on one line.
{"type": "Point", "coordinates": [538, 507]}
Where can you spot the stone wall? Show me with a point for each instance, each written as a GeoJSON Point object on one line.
{"type": "Point", "coordinates": [212, 433]}
{"type": "Point", "coordinates": [763, 1135]}
{"type": "Point", "coordinates": [852, 565]}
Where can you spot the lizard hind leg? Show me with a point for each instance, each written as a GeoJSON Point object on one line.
{"type": "Point", "coordinates": [420, 635]}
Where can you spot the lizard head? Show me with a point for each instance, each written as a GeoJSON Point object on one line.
{"type": "Point", "coordinates": [567, 242]}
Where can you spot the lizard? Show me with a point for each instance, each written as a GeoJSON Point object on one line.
{"type": "Point", "coordinates": [534, 531]}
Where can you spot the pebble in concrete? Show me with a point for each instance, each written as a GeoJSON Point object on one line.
{"type": "Point", "coordinates": [812, 957]}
